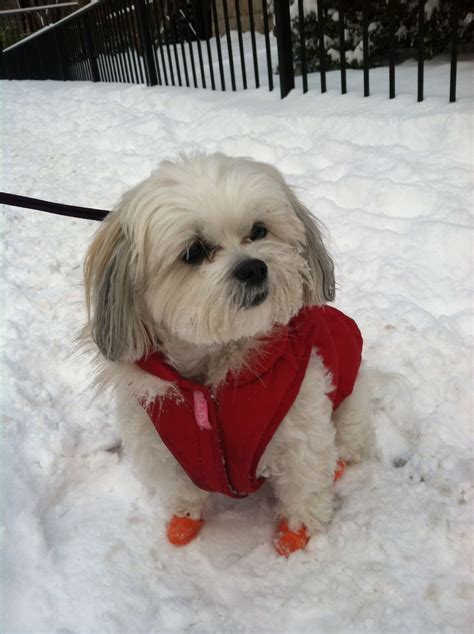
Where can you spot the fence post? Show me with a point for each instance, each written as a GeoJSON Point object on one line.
{"type": "Point", "coordinates": [3, 74]}
{"type": "Point", "coordinates": [146, 42]}
{"type": "Point", "coordinates": [91, 48]}
{"type": "Point", "coordinates": [454, 50]}
{"type": "Point", "coordinates": [285, 47]}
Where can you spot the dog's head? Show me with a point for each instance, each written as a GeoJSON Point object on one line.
{"type": "Point", "coordinates": [209, 248]}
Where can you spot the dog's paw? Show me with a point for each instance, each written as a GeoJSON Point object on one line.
{"type": "Point", "coordinates": [182, 530]}
{"type": "Point", "coordinates": [286, 541]}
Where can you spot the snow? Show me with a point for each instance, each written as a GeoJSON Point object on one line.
{"type": "Point", "coordinates": [84, 544]}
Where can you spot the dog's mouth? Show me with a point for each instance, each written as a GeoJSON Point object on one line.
{"type": "Point", "coordinates": [255, 299]}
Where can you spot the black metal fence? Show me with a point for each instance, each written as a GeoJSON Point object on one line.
{"type": "Point", "coordinates": [199, 43]}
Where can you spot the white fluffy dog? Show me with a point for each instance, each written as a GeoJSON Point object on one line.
{"type": "Point", "coordinates": [203, 274]}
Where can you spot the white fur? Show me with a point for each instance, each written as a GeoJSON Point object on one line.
{"type": "Point", "coordinates": [143, 296]}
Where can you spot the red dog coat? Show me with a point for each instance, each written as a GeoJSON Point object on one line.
{"type": "Point", "coordinates": [219, 438]}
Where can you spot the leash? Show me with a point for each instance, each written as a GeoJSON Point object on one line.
{"type": "Point", "coordinates": [71, 211]}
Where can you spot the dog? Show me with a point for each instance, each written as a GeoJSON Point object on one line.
{"type": "Point", "coordinates": [207, 290]}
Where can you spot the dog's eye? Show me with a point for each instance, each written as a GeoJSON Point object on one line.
{"type": "Point", "coordinates": [259, 231]}
{"type": "Point", "coordinates": [196, 253]}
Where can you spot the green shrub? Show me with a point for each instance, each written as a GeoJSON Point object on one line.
{"type": "Point", "coordinates": [436, 39]}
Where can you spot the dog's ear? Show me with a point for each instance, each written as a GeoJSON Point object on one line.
{"type": "Point", "coordinates": [322, 285]}
{"type": "Point", "coordinates": [117, 321]}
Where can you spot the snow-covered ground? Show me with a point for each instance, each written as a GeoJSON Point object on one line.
{"type": "Point", "coordinates": [84, 544]}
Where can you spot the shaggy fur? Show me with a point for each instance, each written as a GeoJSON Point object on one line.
{"type": "Point", "coordinates": [143, 295]}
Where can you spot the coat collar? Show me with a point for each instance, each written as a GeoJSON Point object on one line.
{"type": "Point", "coordinates": [271, 348]}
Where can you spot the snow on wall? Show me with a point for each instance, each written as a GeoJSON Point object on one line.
{"type": "Point", "coordinates": [84, 544]}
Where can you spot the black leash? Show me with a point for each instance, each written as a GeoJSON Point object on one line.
{"type": "Point", "coordinates": [71, 211]}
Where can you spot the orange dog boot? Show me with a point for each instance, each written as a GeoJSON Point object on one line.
{"type": "Point", "coordinates": [182, 530]}
{"type": "Point", "coordinates": [340, 468]}
{"type": "Point", "coordinates": [287, 542]}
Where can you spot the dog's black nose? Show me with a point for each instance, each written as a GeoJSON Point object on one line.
{"type": "Point", "coordinates": [251, 272]}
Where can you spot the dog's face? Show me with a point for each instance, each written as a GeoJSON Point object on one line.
{"type": "Point", "coordinates": [211, 249]}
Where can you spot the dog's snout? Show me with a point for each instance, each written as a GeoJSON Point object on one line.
{"type": "Point", "coordinates": [251, 272]}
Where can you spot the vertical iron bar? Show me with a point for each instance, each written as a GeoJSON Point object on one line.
{"type": "Point", "coordinates": [56, 67]}
{"type": "Point", "coordinates": [421, 48]}
{"type": "Point", "coordinates": [10, 62]}
{"type": "Point", "coordinates": [180, 35]}
{"type": "Point", "coordinates": [44, 44]}
{"type": "Point", "coordinates": [144, 31]}
{"type": "Point", "coordinates": [191, 32]}
{"type": "Point", "coordinates": [123, 42]}
{"type": "Point", "coordinates": [172, 21]}
{"type": "Point", "coordinates": [152, 20]}
{"type": "Point", "coordinates": [159, 22]}
{"type": "Point", "coordinates": [99, 46]}
{"type": "Point", "coordinates": [302, 36]}
{"type": "Point", "coordinates": [156, 42]}
{"type": "Point", "coordinates": [391, 47]}
{"type": "Point", "coordinates": [110, 43]}
{"type": "Point", "coordinates": [254, 44]}
{"type": "Point", "coordinates": [67, 44]}
{"type": "Point", "coordinates": [116, 38]}
{"type": "Point", "coordinates": [133, 23]}
{"type": "Point", "coordinates": [100, 31]}
{"type": "Point", "coordinates": [58, 55]}
{"type": "Point", "coordinates": [365, 44]}
{"type": "Point", "coordinates": [80, 54]}
{"type": "Point", "coordinates": [108, 53]}
{"type": "Point", "coordinates": [40, 59]}
{"type": "Point", "coordinates": [229, 44]}
{"type": "Point", "coordinates": [322, 48]}
{"type": "Point", "coordinates": [342, 47]}
{"type": "Point", "coordinates": [241, 44]}
{"type": "Point", "coordinates": [26, 59]}
{"type": "Point", "coordinates": [67, 57]}
{"type": "Point", "coordinates": [84, 53]}
{"type": "Point", "coordinates": [218, 43]}
{"type": "Point", "coordinates": [90, 47]}
{"type": "Point", "coordinates": [72, 38]}
{"type": "Point", "coordinates": [129, 28]}
{"type": "Point", "coordinates": [3, 67]}
{"type": "Point", "coordinates": [196, 31]}
{"type": "Point", "coordinates": [165, 36]}
{"type": "Point", "coordinates": [454, 50]}
{"type": "Point", "coordinates": [201, 62]}
{"type": "Point", "coordinates": [209, 58]}
{"type": "Point", "coordinates": [124, 39]}
{"type": "Point", "coordinates": [287, 49]}
{"type": "Point", "coordinates": [95, 39]}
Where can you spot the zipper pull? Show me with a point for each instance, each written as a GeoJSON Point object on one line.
{"type": "Point", "coordinates": [201, 410]}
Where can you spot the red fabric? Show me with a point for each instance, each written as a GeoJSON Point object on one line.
{"type": "Point", "coordinates": [219, 439]}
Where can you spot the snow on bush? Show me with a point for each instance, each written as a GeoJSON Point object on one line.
{"type": "Point", "coordinates": [436, 39]}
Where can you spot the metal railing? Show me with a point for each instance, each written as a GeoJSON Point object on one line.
{"type": "Point", "coordinates": [191, 43]}
{"type": "Point", "coordinates": [15, 24]}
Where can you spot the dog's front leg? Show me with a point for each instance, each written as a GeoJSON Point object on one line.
{"type": "Point", "coordinates": [158, 470]}
{"type": "Point", "coordinates": [300, 462]}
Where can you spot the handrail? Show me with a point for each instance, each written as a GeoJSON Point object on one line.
{"type": "Point", "coordinates": [42, 8]}
{"type": "Point", "coordinates": [42, 31]}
